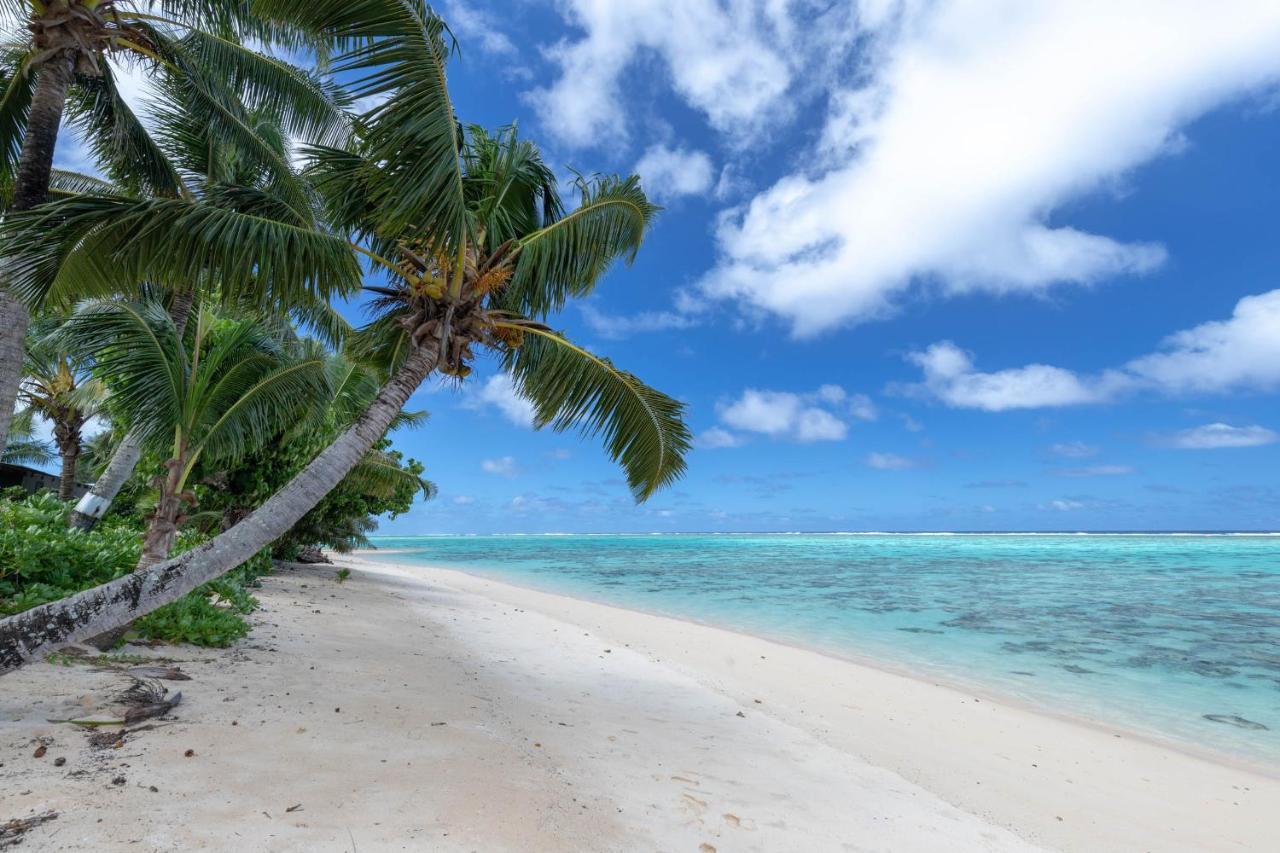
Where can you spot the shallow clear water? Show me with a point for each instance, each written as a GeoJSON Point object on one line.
{"type": "Point", "coordinates": [1150, 632]}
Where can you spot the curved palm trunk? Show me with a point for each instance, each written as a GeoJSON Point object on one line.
{"type": "Point", "coordinates": [31, 186]}
{"type": "Point", "coordinates": [95, 503]}
{"type": "Point", "coordinates": [42, 629]}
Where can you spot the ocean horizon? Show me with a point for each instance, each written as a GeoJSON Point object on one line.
{"type": "Point", "coordinates": [1170, 635]}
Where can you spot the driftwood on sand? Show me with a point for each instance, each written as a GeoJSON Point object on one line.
{"type": "Point", "coordinates": [11, 831]}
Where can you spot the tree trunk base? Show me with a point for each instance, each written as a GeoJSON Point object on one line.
{"type": "Point", "coordinates": [108, 640]}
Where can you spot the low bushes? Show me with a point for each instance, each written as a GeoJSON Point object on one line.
{"type": "Point", "coordinates": [42, 560]}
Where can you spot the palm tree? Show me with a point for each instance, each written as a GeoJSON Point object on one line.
{"type": "Point", "coordinates": [24, 447]}
{"type": "Point", "coordinates": [469, 232]}
{"type": "Point", "coordinates": [209, 399]}
{"type": "Point", "coordinates": [57, 60]}
{"type": "Point", "coordinates": [57, 386]}
{"type": "Point", "coordinates": [222, 172]}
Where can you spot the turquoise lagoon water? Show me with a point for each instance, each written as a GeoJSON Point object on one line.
{"type": "Point", "coordinates": [1147, 632]}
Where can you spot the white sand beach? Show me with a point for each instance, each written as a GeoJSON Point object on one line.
{"type": "Point", "coordinates": [426, 709]}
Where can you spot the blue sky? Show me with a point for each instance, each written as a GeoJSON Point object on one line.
{"type": "Point", "coordinates": [968, 266]}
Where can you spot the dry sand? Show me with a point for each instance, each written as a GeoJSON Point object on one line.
{"type": "Point", "coordinates": [428, 710]}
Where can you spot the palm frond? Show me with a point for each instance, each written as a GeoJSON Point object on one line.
{"type": "Point", "coordinates": [122, 146]}
{"type": "Point", "coordinates": [382, 343]}
{"type": "Point", "coordinates": [510, 191]}
{"type": "Point", "coordinates": [379, 475]}
{"type": "Point", "coordinates": [568, 257]}
{"type": "Point", "coordinates": [353, 385]}
{"type": "Point", "coordinates": [307, 105]}
{"type": "Point", "coordinates": [320, 318]}
{"type": "Point", "coordinates": [99, 245]}
{"type": "Point", "coordinates": [397, 52]}
{"type": "Point", "coordinates": [22, 446]}
{"type": "Point", "coordinates": [63, 182]}
{"type": "Point", "coordinates": [643, 429]}
{"type": "Point", "coordinates": [15, 105]}
{"type": "Point", "coordinates": [410, 420]}
{"type": "Point", "coordinates": [136, 348]}
{"type": "Point", "coordinates": [264, 409]}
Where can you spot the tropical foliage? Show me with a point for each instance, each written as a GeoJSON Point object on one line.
{"type": "Point", "coordinates": [57, 386]}
{"type": "Point", "coordinates": [24, 447]}
{"type": "Point", "coordinates": [42, 560]}
{"type": "Point", "coordinates": [458, 233]}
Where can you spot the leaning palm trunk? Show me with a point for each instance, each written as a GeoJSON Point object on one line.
{"type": "Point", "coordinates": [42, 629]}
{"type": "Point", "coordinates": [95, 502]}
{"type": "Point", "coordinates": [31, 186]}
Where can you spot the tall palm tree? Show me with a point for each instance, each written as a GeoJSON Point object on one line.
{"type": "Point", "coordinates": [470, 234]}
{"type": "Point", "coordinates": [209, 398]}
{"type": "Point", "coordinates": [57, 386]}
{"type": "Point", "coordinates": [57, 58]}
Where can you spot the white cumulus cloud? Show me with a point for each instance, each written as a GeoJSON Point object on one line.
{"type": "Point", "coordinates": [1218, 435]}
{"type": "Point", "coordinates": [964, 128]}
{"type": "Point", "coordinates": [732, 62]}
{"type": "Point", "coordinates": [1241, 353]}
{"type": "Point", "coordinates": [950, 376]}
{"type": "Point", "coordinates": [499, 392]}
{"type": "Point", "coordinates": [668, 173]}
{"type": "Point", "coordinates": [816, 416]}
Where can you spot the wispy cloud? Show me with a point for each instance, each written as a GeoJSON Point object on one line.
{"type": "Point", "coordinates": [1073, 450]}
{"type": "Point", "coordinates": [716, 438]}
{"type": "Point", "coordinates": [1096, 471]}
{"type": "Point", "coordinates": [996, 484]}
{"type": "Point", "coordinates": [502, 466]}
{"type": "Point", "coordinates": [891, 462]}
{"type": "Point", "coordinates": [1219, 435]}
{"type": "Point", "coordinates": [617, 326]}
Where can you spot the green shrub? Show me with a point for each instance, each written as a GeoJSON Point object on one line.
{"type": "Point", "coordinates": [42, 560]}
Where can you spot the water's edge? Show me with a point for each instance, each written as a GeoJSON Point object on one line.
{"type": "Point", "coordinates": [1151, 636]}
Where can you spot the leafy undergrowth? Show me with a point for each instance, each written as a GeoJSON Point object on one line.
{"type": "Point", "coordinates": [42, 560]}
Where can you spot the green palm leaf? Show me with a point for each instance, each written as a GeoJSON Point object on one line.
{"type": "Point", "coordinates": [22, 447]}
{"type": "Point", "coordinates": [379, 475]}
{"type": "Point", "coordinates": [567, 257]}
{"type": "Point", "coordinates": [262, 410]}
{"type": "Point", "coordinates": [63, 182]}
{"type": "Point", "coordinates": [15, 104]}
{"type": "Point", "coordinates": [642, 428]}
{"type": "Point", "coordinates": [307, 106]}
{"type": "Point", "coordinates": [136, 345]}
{"type": "Point", "coordinates": [98, 245]}
{"type": "Point", "coordinates": [398, 50]}
{"type": "Point", "coordinates": [122, 146]}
